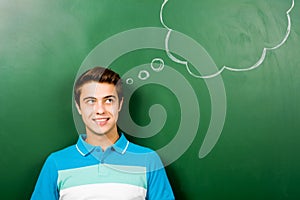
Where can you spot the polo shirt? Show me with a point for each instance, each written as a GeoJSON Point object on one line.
{"type": "Point", "coordinates": [123, 171]}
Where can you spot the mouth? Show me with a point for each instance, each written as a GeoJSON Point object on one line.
{"type": "Point", "coordinates": [101, 121]}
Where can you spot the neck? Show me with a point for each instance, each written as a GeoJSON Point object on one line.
{"type": "Point", "coordinates": [103, 141]}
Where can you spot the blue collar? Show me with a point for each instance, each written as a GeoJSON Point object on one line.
{"type": "Point", "coordinates": [85, 148]}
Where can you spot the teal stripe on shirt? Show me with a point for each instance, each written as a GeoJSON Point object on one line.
{"type": "Point", "coordinates": [102, 173]}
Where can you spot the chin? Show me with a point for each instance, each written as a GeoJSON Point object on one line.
{"type": "Point", "coordinates": [100, 133]}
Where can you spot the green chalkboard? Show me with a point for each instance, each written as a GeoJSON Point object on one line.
{"type": "Point", "coordinates": [213, 86]}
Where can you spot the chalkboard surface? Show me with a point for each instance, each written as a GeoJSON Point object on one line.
{"type": "Point", "coordinates": [235, 135]}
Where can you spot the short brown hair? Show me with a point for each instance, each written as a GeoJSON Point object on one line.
{"type": "Point", "coordinates": [100, 75]}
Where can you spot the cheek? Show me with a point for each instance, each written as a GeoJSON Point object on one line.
{"type": "Point", "coordinates": [86, 111]}
{"type": "Point", "coordinates": [114, 110]}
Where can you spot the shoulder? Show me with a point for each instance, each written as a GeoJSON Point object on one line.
{"type": "Point", "coordinates": [62, 157]}
{"type": "Point", "coordinates": [132, 147]}
{"type": "Point", "coordinates": [149, 153]}
{"type": "Point", "coordinates": [63, 153]}
{"type": "Point", "coordinates": [151, 158]}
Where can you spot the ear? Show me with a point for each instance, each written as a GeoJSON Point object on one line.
{"type": "Point", "coordinates": [78, 108]}
{"type": "Point", "coordinates": [121, 104]}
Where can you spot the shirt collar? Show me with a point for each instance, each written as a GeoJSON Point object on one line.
{"type": "Point", "coordinates": [85, 148]}
{"type": "Point", "coordinates": [121, 144]}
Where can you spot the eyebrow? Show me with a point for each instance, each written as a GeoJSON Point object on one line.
{"type": "Point", "coordinates": [110, 96]}
{"type": "Point", "coordinates": [106, 97]}
{"type": "Point", "coordinates": [88, 98]}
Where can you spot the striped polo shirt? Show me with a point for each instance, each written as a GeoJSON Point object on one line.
{"type": "Point", "coordinates": [123, 171]}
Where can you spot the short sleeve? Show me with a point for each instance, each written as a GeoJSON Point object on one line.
{"type": "Point", "coordinates": [46, 186]}
{"type": "Point", "coordinates": [158, 186]}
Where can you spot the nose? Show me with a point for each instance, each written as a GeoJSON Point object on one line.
{"type": "Point", "coordinates": [99, 108]}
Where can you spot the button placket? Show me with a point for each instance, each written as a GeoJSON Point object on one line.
{"type": "Point", "coordinates": [102, 168]}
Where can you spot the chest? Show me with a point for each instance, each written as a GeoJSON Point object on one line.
{"type": "Point", "coordinates": [103, 181]}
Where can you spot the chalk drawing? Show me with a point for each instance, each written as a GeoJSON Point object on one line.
{"type": "Point", "coordinates": [257, 64]}
{"type": "Point", "coordinates": [110, 49]}
{"type": "Point", "coordinates": [129, 81]}
{"type": "Point", "coordinates": [143, 75]}
{"type": "Point", "coordinates": [161, 65]}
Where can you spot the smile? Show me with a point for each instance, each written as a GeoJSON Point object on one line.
{"type": "Point", "coordinates": [101, 121]}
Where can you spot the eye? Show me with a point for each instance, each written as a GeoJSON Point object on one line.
{"type": "Point", "coordinates": [90, 101]}
{"type": "Point", "coordinates": [109, 101]}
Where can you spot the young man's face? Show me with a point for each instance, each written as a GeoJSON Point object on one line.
{"type": "Point", "coordinates": [99, 108]}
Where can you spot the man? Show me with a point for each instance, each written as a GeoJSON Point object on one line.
{"type": "Point", "coordinates": [103, 164]}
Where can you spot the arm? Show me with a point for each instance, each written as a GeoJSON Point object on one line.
{"type": "Point", "coordinates": [46, 186]}
{"type": "Point", "coordinates": [159, 187]}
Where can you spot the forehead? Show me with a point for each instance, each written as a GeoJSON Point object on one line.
{"type": "Point", "coordinates": [98, 90]}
